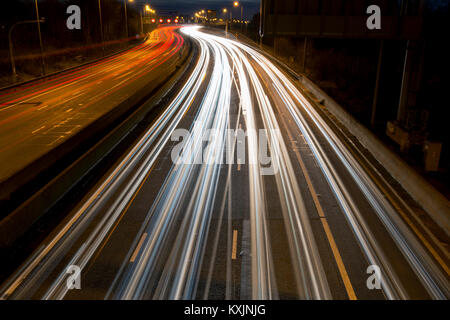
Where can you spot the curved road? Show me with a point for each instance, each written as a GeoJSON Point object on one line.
{"type": "Point", "coordinates": [201, 207]}
{"type": "Point", "coordinates": [36, 117]}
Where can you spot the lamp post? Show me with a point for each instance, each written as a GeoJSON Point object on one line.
{"type": "Point", "coordinates": [126, 16]}
{"type": "Point", "coordinates": [147, 11]}
{"type": "Point", "coordinates": [11, 50]}
{"type": "Point", "coordinates": [40, 37]}
{"type": "Point", "coordinates": [225, 10]}
{"type": "Point", "coordinates": [237, 4]}
{"type": "Point", "coordinates": [142, 22]}
{"type": "Point", "coordinates": [230, 21]}
{"type": "Point", "coordinates": [262, 16]}
{"type": "Point", "coordinates": [101, 25]}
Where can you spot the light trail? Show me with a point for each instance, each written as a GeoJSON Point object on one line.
{"type": "Point", "coordinates": [79, 221]}
{"type": "Point", "coordinates": [168, 250]}
{"type": "Point", "coordinates": [100, 90]}
{"type": "Point", "coordinates": [413, 251]}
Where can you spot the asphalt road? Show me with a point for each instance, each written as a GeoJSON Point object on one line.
{"type": "Point", "coordinates": [217, 215]}
{"type": "Point", "coordinates": [37, 117]}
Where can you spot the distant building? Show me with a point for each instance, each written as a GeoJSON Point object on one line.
{"type": "Point", "coordinates": [211, 14]}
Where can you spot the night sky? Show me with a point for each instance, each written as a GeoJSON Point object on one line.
{"type": "Point", "coordinates": [190, 6]}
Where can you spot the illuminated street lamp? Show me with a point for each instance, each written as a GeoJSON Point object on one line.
{"type": "Point", "coordinates": [237, 4]}
{"type": "Point", "coordinates": [225, 10]}
{"type": "Point", "coordinates": [148, 9]}
{"type": "Point", "coordinates": [200, 15]}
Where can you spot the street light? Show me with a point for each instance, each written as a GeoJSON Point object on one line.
{"type": "Point", "coordinates": [225, 10]}
{"type": "Point", "coordinates": [237, 4]}
{"type": "Point", "coordinates": [101, 25]}
{"type": "Point", "coordinates": [145, 9]}
{"type": "Point", "coordinates": [149, 10]}
{"type": "Point", "coordinates": [262, 16]}
{"type": "Point", "coordinates": [11, 53]}
{"type": "Point", "coordinates": [40, 37]}
{"type": "Point", "coordinates": [126, 16]}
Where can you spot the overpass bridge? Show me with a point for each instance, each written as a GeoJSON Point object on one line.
{"type": "Point", "coordinates": [401, 21]}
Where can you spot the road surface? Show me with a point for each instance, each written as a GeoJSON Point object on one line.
{"type": "Point", "coordinates": [202, 208]}
{"type": "Point", "coordinates": [37, 117]}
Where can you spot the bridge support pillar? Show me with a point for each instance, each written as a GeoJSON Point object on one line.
{"type": "Point", "coordinates": [305, 54]}
{"type": "Point", "coordinates": [377, 85]}
{"type": "Point", "coordinates": [411, 79]}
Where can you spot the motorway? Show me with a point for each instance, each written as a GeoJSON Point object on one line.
{"type": "Point", "coordinates": [37, 117]}
{"type": "Point", "coordinates": [201, 208]}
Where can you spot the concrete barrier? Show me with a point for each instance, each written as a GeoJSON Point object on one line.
{"type": "Point", "coordinates": [431, 200]}
{"type": "Point", "coordinates": [74, 68]}
{"type": "Point", "coordinates": [11, 186]}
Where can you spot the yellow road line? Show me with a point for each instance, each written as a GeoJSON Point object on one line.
{"type": "Point", "coordinates": [38, 130]}
{"type": "Point", "coordinates": [403, 214]}
{"type": "Point", "coordinates": [234, 252]}
{"type": "Point", "coordinates": [337, 256]}
{"type": "Point", "coordinates": [138, 248]}
{"type": "Point", "coordinates": [340, 263]}
{"type": "Point", "coordinates": [121, 215]}
{"type": "Point", "coordinates": [411, 225]}
{"type": "Point", "coordinates": [239, 164]}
